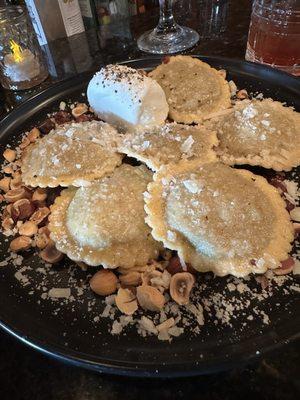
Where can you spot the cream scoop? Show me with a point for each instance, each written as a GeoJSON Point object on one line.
{"type": "Point", "coordinates": [126, 98]}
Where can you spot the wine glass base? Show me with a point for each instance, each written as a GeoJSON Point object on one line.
{"type": "Point", "coordinates": [180, 39]}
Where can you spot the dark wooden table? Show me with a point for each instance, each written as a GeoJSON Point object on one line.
{"type": "Point", "coordinates": [26, 374]}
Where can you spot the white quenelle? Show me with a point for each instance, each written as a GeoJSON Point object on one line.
{"type": "Point", "coordinates": [127, 98]}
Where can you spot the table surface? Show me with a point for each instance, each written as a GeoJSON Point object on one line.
{"type": "Point", "coordinates": [26, 374]}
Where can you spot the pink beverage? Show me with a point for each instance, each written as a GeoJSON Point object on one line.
{"type": "Point", "coordinates": [274, 34]}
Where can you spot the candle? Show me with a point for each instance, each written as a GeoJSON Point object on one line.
{"type": "Point", "coordinates": [20, 65]}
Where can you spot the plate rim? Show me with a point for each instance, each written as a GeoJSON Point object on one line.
{"type": "Point", "coordinates": [122, 368]}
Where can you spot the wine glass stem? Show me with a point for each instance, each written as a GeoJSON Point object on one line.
{"type": "Point", "coordinates": [166, 21]}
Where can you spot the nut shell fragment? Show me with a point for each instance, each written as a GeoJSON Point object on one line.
{"type": "Point", "coordinates": [9, 155]}
{"type": "Point", "coordinates": [42, 238]}
{"type": "Point", "coordinates": [7, 223]}
{"type": "Point", "coordinates": [14, 195]}
{"type": "Point", "coordinates": [39, 215]}
{"type": "Point", "coordinates": [50, 254]}
{"type": "Point", "coordinates": [5, 184]}
{"type": "Point", "coordinates": [29, 228]}
{"type": "Point", "coordinates": [80, 109]}
{"type": "Point", "coordinates": [25, 142]}
{"type": "Point", "coordinates": [167, 324]}
{"type": "Point", "coordinates": [22, 209]}
{"type": "Point", "coordinates": [180, 287]}
{"type": "Point", "coordinates": [8, 169]}
{"type": "Point", "coordinates": [132, 278]}
{"type": "Point", "coordinates": [126, 301]}
{"type": "Point", "coordinates": [33, 135]}
{"type": "Point", "coordinates": [20, 243]}
{"type": "Point", "coordinates": [39, 194]}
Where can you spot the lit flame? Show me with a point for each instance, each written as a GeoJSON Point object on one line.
{"type": "Point", "coordinates": [16, 50]}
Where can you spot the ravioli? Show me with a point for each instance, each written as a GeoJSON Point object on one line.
{"type": "Point", "coordinates": [218, 218]}
{"type": "Point", "coordinates": [104, 224]}
{"type": "Point", "coordinates": [170, 143]}
{"type": "Point", "coordinates": [75, 155]}
{"type": "Point", "coordinates": [263, 133]}
{"type": "Point", "coordinates": [194, 90]}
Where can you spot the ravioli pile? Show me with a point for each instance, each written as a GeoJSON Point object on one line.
{"type": "Point", "coordinates": [216, 217]}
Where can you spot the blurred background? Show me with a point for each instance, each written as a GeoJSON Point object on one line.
{"type": "Point", "coordinates": [103, 31]}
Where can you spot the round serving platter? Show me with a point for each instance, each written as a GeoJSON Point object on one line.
{"type": "Point", "coordinates": [68, 330]}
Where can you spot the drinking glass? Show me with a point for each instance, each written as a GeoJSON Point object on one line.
{"type": "Point", "coordinates": [274, 34]}
{"type": "Point", "coordinates": [168, 37]}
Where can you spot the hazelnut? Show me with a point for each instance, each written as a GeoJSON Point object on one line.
{"type": "Point", "coordinates": [44, 231]}
{"type": "Point", "coordinates": [151, 274]}
{"type": "Point", "coordinates": [126, 301]}
{"type": "Point", "coordinates": [150, 298]}
{"type": "Point", "coordinates": [39, 215]}
{"type": "Point", "coordinates": [131, 279]}
{"type": "Point", "coordinates": [104, 282]}
{"type": "Point", "coordinates": [7, 223]}
{"type": "Point", "coordinates": [8, 169]}
{"type": "Point", "coordinates": [39, 204]}
{"type": "Point", "coordinates": [42, 238]}
{"type": "Point", "coordinates": [14, 195]}
{"type": "Point", "coordinates": [242, 94]}
{"type": "Point", "coordinates": [140, 269]}
{"type": "Point", "coordinates": [181, 285]}
{"type": "Point", "coordinates": [295, 214]}
{"type": "Point", "coordinates": [166, 254]}
{"type": "Point", "coordinates": [17, 177]}
{"type": "Point", "coordinates": [174, 265]}
{"type": "Point", "coordinates": [80, 109]}
{"type": "Point", "coordinates": [28, 229]}
{"type": "Point", "coordinates": [20, 243]}
{"type": "Point", "coordinates": [33, 135]}
{"type": "Point", "coordinates": [47, 126]}
{"type": "Point", "coordinates": [283, 271]}
{"type": "Point", "coordinates": [39, 195]}
{"type": "Point", "coordinates": [15, 184]}
{"type": "Point", "coordinates": [5, 184]}
{"type": "Point", "coordinates": [25, 142]}
{"type": "Point", "coordinates": [157, 279]}
{"type": "Point", "coordinates": [10, 155]}
{"type": "Point", "coordinates": [296, 226]}
{"type": "Point", "coordinates": [50, 254]}
{"type": "Point", "coordinates": [7, 211]}
{"type": "Point", "coordinates": [62, 117]}
{"type": "Point", "coordinates": [22, 209]}
{"type": "Point", "coordinates": [18, 163]}
{"type": "Point", "coordinates": [287, 266]}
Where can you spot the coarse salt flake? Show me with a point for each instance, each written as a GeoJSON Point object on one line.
{"type": "Point", "coordinates": [60, 293]}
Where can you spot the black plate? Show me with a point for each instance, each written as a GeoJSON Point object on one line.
{"type": "Point", "coordinates": [71, 336]}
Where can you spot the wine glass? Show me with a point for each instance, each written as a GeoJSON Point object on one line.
{"type": "Point", "coordinates": [168, 37]}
